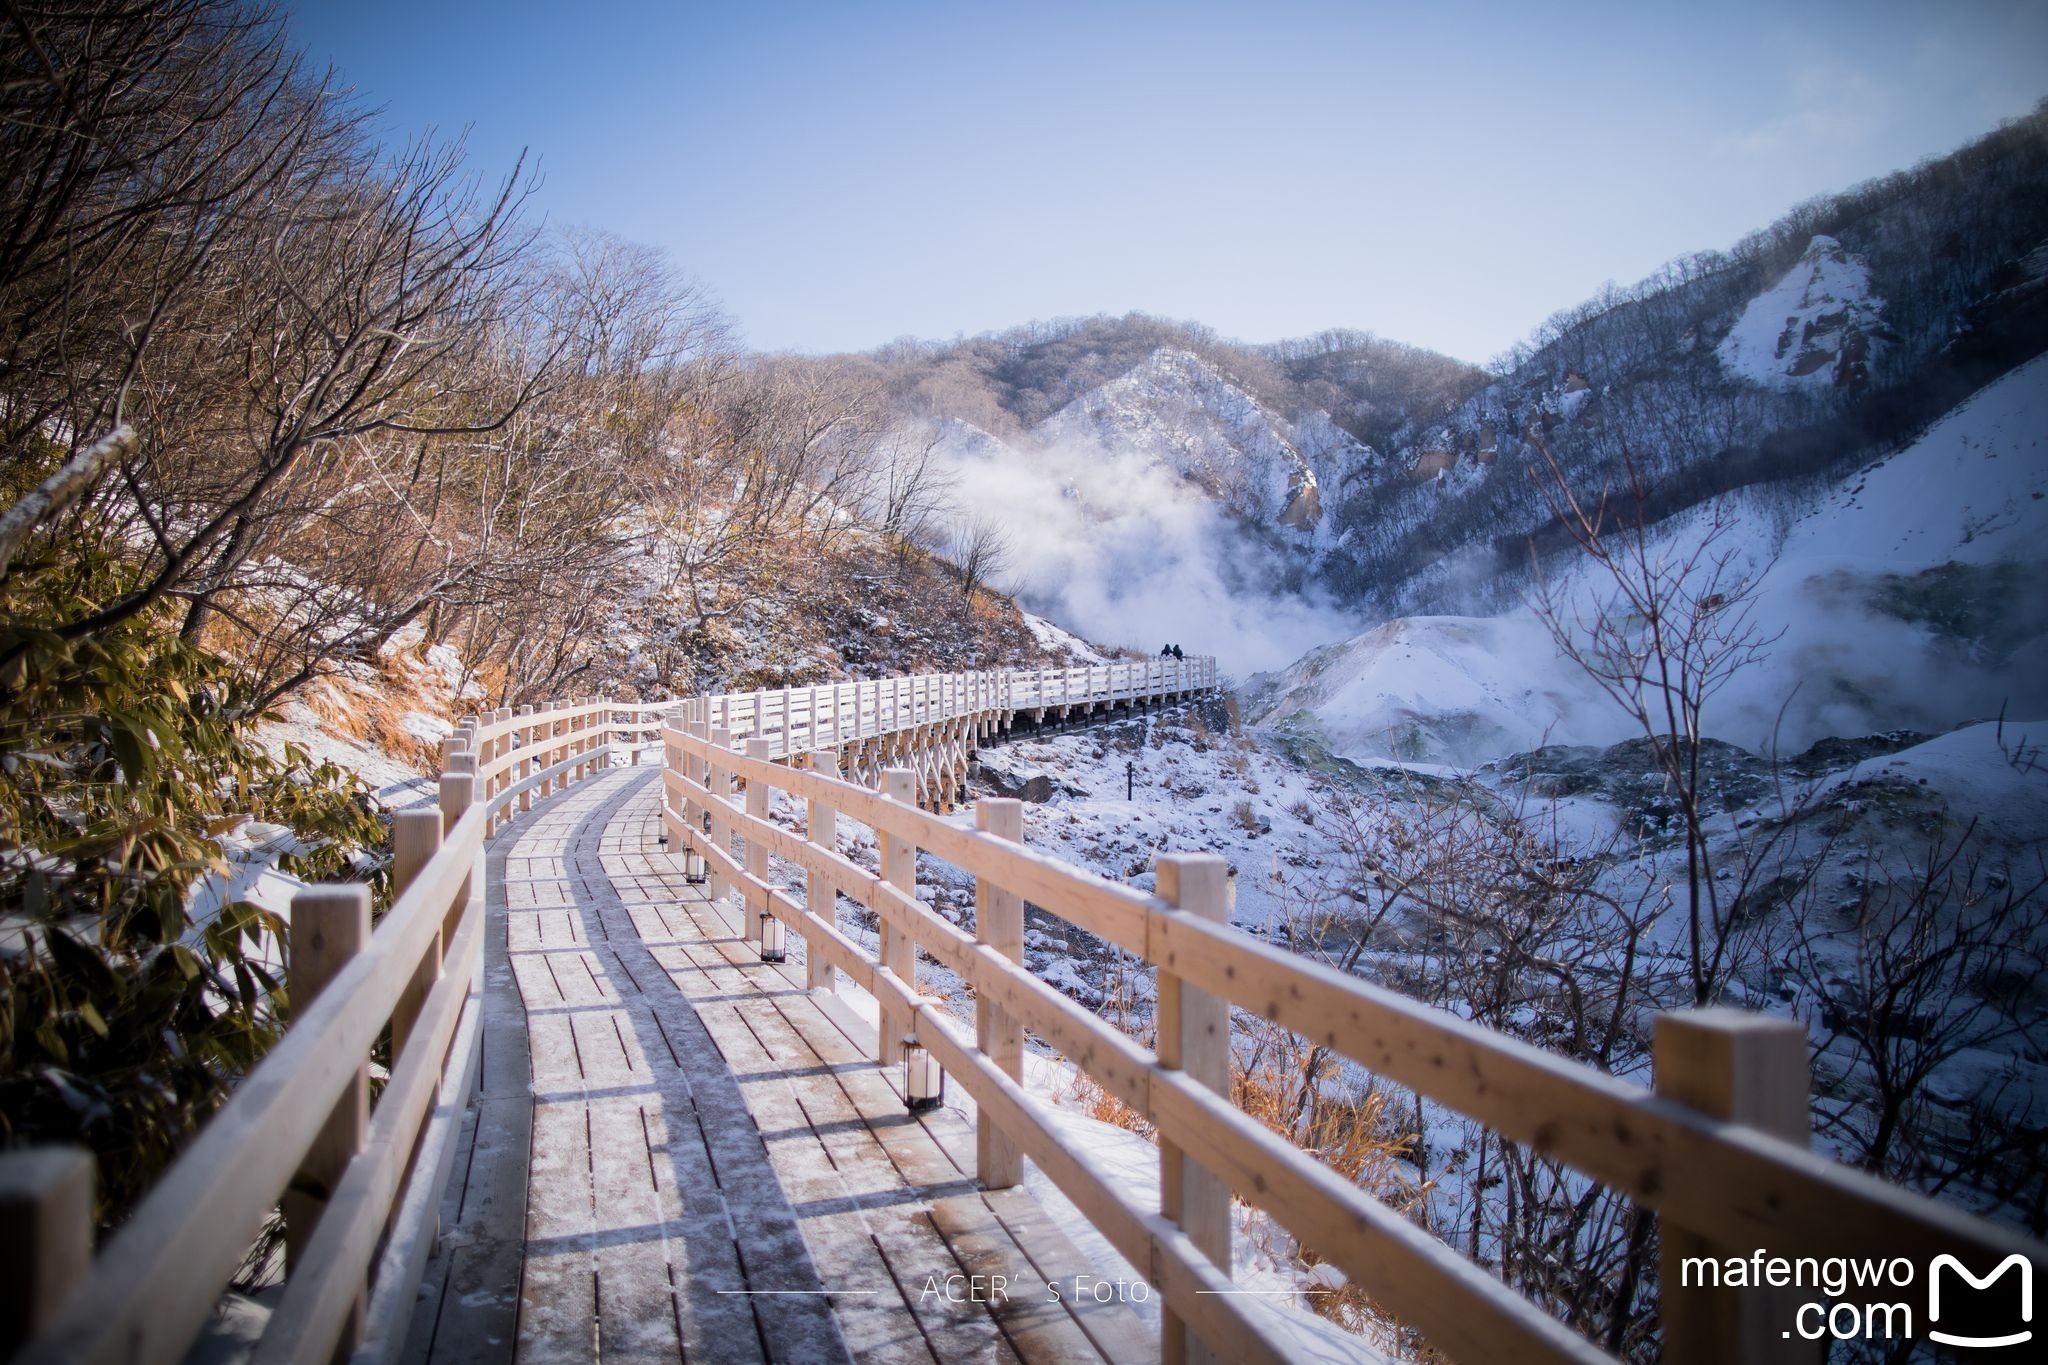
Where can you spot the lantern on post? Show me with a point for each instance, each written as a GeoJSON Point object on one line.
{"type": "Point", "coordinates": [924, 1084]}
{"type": "Point", "coordinates": [773, 945]}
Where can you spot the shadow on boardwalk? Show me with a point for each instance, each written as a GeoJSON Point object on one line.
{"type": "Point", "coordinates": [677, 1152]}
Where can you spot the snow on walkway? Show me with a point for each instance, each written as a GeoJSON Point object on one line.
{"type": "Point", "coordinates": [676, 1151]}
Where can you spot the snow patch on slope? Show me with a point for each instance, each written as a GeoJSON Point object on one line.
{"type": "Point", "coordinates": [1454, 690]}
{"type": "Point", "coordinates": [1177, 412]}
{"type": "Point", "coordinates": [1061, 641]}
{"type": "Point", "coordinates": [1814, 328]}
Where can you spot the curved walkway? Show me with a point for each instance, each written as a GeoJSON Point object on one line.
{"type": "Point", "coordinates": [679, 1153]}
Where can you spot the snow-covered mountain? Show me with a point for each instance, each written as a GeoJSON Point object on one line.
{"type": "Point", "coordinates": [1910, 594]}
{"type": "Point", "coordinates": [1177, 411]}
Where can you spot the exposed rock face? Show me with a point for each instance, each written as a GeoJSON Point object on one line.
{"type": "Point", "coordinates": [1816, 327]}
{"type": "Point", "coordinates": [1304, 503]}
{"type": "Point", "coordinates": [1012, 778]}
{"type": "Point", "coordinates": [1431, 463]}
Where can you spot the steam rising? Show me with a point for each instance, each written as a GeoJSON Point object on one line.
{"type": "Point", "coordinates": [1125, 552]}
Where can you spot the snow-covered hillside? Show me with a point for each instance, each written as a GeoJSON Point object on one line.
{"type": "Point", "coordinates": [1912, 594]}
{"type": "Point", "coordinates": [1452, 690]}
{"type": "Point", "coordinates": [1817, 326]}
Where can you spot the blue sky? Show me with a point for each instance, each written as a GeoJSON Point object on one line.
{"type": "Point", "coordinates": [1442, 174]}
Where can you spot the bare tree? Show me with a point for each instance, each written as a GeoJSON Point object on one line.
{"type": "Point", "coordinates": [1485, 907]}
{"type": "Point", "coordinates": [980, 550]}
{"type": "Point", "coordinates": [1928, 960]}
{"type": "Point", "coordinates": [1664, 630]}
{"type": "Point", "coordinates": [911, 490]}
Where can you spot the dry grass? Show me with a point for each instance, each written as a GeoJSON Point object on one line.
{"type": "Point", "coordinates": [1087, 1095]}
{"type": "Point", "coordinates": [1300, 1092]}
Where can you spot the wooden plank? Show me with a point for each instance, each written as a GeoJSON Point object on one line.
{"type": "Point", "coordinates": [1751, 1068]}
{"type": "Point", "coordinates": [399, 1283]}
{"type": "Point", "coordinates": [762, 1246]}
{"type": "Point", "coordinates": [324, 1302]}
{"type": "Point", "coordinates": [638, 1317]}
{"type": "Point", "coordinates": [1189, 1282]}
{"type": "Point", "coordinates": [476, 1315]}
{"type": "Point", "coordinates": [1736, 1185]}
{"type": "Point", "coordinates": [330, 927]}
{"type": "Point", "coordinates": [1194, 1038]}
{"type": "Point", "coordinates": [1035, 1329]}
{"type": "Point", "coordinates": [872, 1239]}
{"type": "Point", "coordinates": [1111, 1328]}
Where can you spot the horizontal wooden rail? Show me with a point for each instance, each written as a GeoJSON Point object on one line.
{"type": "Point", "coordinates": [149, 1292]}
{"type": "Point", "coordinates": [1724, 1181]}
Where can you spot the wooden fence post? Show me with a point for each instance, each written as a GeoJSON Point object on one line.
{"type": "Point", "coordinates": [693, 811]}
{"type": "Point", "coordinates": [1752, 1069]}
{"type": "Point", "coordinates": [329, 926]}
{"type": "Point", "coordinates": [720, 783]}
{"type": "Point", "coordinates": [507, 742]}
{"type": "Point", "coordinates": [526, 767]}
{"type": "Point", "coordinates": [998, 922]}
{"type": "Point", "coordinates": [45, 1237]}
{"type": "Point", "coordinates": [898, 952]}
{"type": "Point", "coordinates": [757, 851]}
{"type": "Point", "coordinates": [415, 839]}
{"type": "Point", "coordinates": [458, 794]}
{"type": "Point", "coordinates": [820, 899]}
{"type": "Point", "coordinates": [1194, 1036]}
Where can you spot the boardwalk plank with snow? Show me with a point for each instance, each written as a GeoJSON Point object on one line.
{"type": "Point", "coordinates": [679, 1153]}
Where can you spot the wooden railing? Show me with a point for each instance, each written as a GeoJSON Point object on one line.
{"type": "Point", "coordinates": [356, 1185]}
{"type": "Point", "coordinates": [801, 719]}
{"type": "Point", "coordinates": [1717, 1150]}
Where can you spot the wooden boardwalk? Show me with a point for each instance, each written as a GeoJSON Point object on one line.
{"type": "Point", "coordinates": [678, 1153]}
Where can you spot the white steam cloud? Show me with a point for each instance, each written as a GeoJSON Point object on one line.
{"type": "Point", "coordinates": [1124, 551]}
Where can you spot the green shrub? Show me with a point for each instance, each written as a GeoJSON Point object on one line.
{"type": "Point", "coordinates": [123, 756]}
